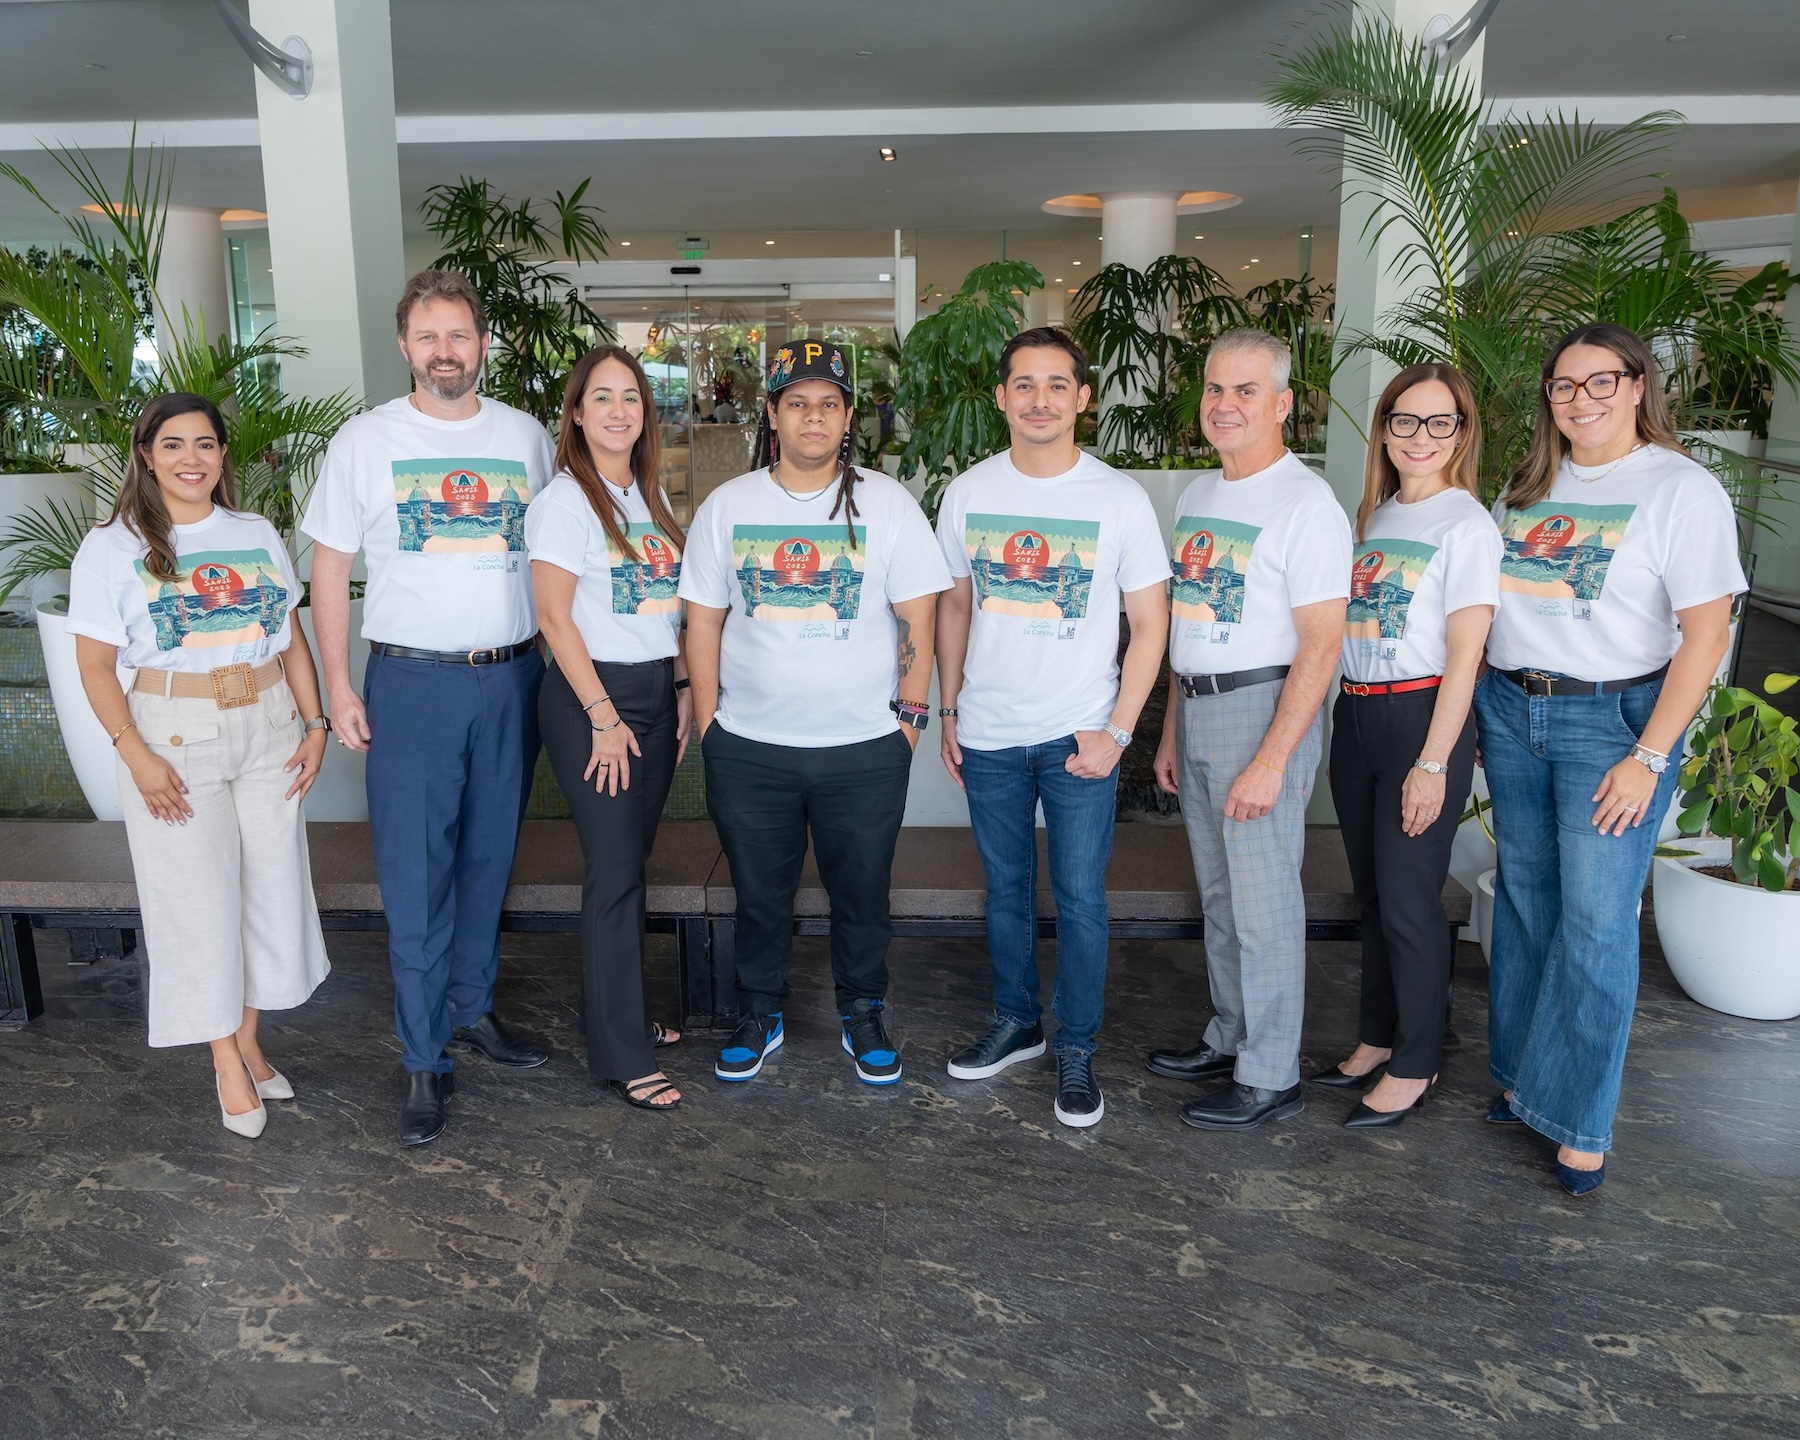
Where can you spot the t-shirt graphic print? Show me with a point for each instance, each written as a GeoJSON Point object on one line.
{"type": "Point", "coordinates": [450, 506]}
{"type": "Point", "coordinates": [1384, 577]}
{"type": "Point", "coordinates": [220, 599]}
{"type": "Point", "coordinates": [1560, 554]}
{"type": "Point", "coordinates": [647, 585]}
{"type": "Point", "coordinates": [808, 574]}
{"type": "Point", "coordinates": [1211, 558]}
{"type": "Point", "coordinates": [1034, 567]}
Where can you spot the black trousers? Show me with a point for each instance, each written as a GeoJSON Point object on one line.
{"type": "Point", "coordinates": [1399, 878]}
{"type": "Point", "coordinates": [616, 833]}
{"type": "Point", "coordinates": [764, 799]}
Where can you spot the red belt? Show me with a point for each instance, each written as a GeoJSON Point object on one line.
{"type": "Point", "coordinates": [1398, 687]}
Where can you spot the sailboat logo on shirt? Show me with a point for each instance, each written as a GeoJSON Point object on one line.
{"type": "Point", "coordinates": [1561, 553]}
{"type": "Point", "coordinates": [1033, 566]}
{"type": "Point", "coordinates": [804, 573]}
{"type": "Point", "coordinates": [647, 585]}
{"type": "Point", "coordinates": [1211, 558]}
{"type": "Point", "coordinates": [1383, 580]}
{"type": "Point", "coordinates": [460, 505]}
{"type": "Point", "coordinates": [218, 598]}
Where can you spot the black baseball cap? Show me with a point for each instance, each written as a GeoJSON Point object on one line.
{"type": "Point", "coordinates": [809, 360]}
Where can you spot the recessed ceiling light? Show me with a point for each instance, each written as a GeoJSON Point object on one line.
{"type": "Point", "coordinates": [624, 242]}
{"type": "Point", "coordinates": [1074, 262]}
{"type": "Point", "coordinates": [1057, 281]}
{"type": "Point", "coordinates": [887, 153]}
{"type": "Point", "coordinates": [96, 65]}
{"type": "Point", "coordinates": [1199, 237]}
{"type": "Point", "coordinates": [768, 242]}
{"type": "Point", "coordinates": [1243, 267]}
{"type": "Point", "coordinates": [1676, 39]}
{"type": "Point", "coordinates": [1099, 237]}
{"type": "Point", "coordinates": [1255, 261]}
{"type": "Point", "coordinates": [865, 52]}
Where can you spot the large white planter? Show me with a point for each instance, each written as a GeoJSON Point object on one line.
{"type": "Point", "coordinates": [1734, 948]}
{"type": "Point", "coordinates": [1484, 911]}
{"type": "Point", "coordinates": [21, 494]}
{"type": "Point", "coordinates": [90, 752]}
{"type": "Point", "coordinates": [338, 793]}
{"type": "Point", "coordinates": [1472, 854]}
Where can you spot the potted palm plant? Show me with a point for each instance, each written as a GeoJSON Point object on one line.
{"type": "Point", "coordinates": [1728, 910]}
{"type": "Point", "coordinates": [89, 305]}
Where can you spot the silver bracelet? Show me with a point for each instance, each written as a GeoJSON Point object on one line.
{"type": "Point", "coordinates": [602, 729]}
{"type": "Point", "coordinates": [592, 703]}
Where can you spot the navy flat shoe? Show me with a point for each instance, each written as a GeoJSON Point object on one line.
{"type": "Point", "coordinates": [1501, 1112]}
{"type": "Point", "coordinates": [1580, 1182]}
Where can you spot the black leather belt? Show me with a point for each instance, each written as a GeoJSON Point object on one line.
{"type": "Point", "coordinates": [493, 655]}
{"type": "Point", "coordinates": [1536, 682]}
{"type": "Point", "coordinates": [1196, 685]}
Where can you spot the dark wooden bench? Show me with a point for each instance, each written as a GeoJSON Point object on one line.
{"type": "Point", "coordinates": [76, 876]}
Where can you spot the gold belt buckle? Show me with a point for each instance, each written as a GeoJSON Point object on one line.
{"type": "Point", "coordinates": [1357, 689]}
{"type": "Point", "coordinates": [225, 697]}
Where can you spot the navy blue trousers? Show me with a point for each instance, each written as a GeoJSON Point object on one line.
{"type": "Point", "coordinates": [450, 766]}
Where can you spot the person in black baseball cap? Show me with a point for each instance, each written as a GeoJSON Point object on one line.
{"type": "Point", "coordinates": [810, 627]}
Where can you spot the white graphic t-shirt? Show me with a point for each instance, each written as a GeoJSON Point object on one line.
{"type": "Point", "coordinates": [1420, 565]}
{"type": "Point", "coordinates": [230, 603]}
{"type": "Point", "coordinates": [1247, 554]}
{"type": "Point", "coordinates": [1591, 578]}
{"type": "Point", "coordinates": [438, 509]}
{"type": "Point", "coordinates": [1048, 561]}
{"type": "Point", "coordinates": [809, 656]}
{"type": "Point", "coordinates": [626, 610]}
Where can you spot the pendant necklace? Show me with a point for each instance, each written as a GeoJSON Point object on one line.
{"type": "Point", "coordinates": [775, 475]}
{"type": "Point", "coordinates": [1590, 479]}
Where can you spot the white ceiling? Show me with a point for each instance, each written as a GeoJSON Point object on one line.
{"type": "Point", "coordinates": [174, 60]}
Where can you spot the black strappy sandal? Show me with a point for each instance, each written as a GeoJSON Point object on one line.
{"type": "Point", "coordinates": [641, 1094]}
{"type": "Point", "coordinates": [660, 1037]}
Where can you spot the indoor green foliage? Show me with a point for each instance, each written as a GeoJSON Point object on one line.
{"type": "Point", "coordinates": [540, 324]}
{"type": "Point", "coordinates": [948, 369]}
{"type": "Point", "coordinates": [1300, 312]}
{"type": "Point", "coordinates": [1146, 332]}
{"type": "Point", "coordinates": [1739, 783]}
{"type": "Point", "coordinates": [87, 303]}
{"type": "Point", "coordinates": [1510, 232]}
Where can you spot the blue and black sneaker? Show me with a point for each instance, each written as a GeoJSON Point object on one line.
{"type": "Point", "coordinates": [756, 1037]}
{"type": "Point", "coordinates": [866, 1042]}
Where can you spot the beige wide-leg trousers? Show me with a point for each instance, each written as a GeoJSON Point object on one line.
{"type": "Point", "coordinates": [227, 899]}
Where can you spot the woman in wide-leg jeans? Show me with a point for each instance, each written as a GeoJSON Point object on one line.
{"type": "Point", "coordinates": [1617, 576]}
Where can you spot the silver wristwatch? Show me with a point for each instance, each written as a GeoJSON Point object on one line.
{"type": "Point", "coordinates": [1431, 767]}
{"type": "Point", "coordinates": [1650, 760]}
{"type": "Point", "coordinates": [1121, 738]}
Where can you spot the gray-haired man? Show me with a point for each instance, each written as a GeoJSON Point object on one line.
{"type": "Point", "coordinates": [1261, 553]}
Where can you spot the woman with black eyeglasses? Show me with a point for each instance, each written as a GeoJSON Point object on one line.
{"type": "Point", "coordinates": [1620, 564]}
{"type": "Point", "coordinates": [1423, 587]}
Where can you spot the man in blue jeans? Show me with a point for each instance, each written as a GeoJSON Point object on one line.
{"type": "Point", "coordinates": [1045, 545]}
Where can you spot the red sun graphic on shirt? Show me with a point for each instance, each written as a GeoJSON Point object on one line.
{"type": "Point", "coordinates": [1365, 573]}
{"type": "Point", "coordinates": [1548, 536]}
{"type": "Point", "coordinates": [465, 492]}
{"type": "Point", "coordinates": [797, 561]}
{"type": "Point", "coordinates": [1196, 555]}
{"type": "Point", "coordinates": [215, 584]}
{"type": "Point", "coordinates": [659, 555]}
{"type": "Point", "coordinates": [1026, 550]}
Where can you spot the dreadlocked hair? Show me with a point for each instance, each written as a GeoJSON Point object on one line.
{"type": "Point", "coordinates": [768, 453]}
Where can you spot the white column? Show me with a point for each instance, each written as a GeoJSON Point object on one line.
{"type": "Point", "coordinates": [331, 175]}
{"type": "Point", "coordinates": [1366, 287]}
{"type": "Point", "coordinates": [1037, 309]}
{"type": "Point", "coordinates": [906, 294]}
{"type": "Point", "coordinates": [1778, 551]}
{"type": "Point", "coordinates": [191, 278]}
{"type": "Point", "coordinates": [1137, 226]}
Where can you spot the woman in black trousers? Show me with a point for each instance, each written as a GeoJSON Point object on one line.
{"type": "Point", "coordinates": [614, 710]}
{"type": "Point", "coordinates": [1423, 589]}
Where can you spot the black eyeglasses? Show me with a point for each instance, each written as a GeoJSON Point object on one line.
{"type": "Point", "coordinates": [1439, 427]}
{"type": "Point", "coordinates": [1601, 385]}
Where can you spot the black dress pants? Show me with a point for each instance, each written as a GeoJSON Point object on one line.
{"type": "Point", "coordinates": [764, 799]}
{"type": "Point", "coordinates": [1399, 878]}
{"type": "Point", "coordinates": [616, 834]}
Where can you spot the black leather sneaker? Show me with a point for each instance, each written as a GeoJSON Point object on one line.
{"type": "Point", "coordinates": [866, 1043]}
{"type": "Point", "coordinates": [1079, 1102]}
{"type": "Point", "coordinates": [1005, 1043]}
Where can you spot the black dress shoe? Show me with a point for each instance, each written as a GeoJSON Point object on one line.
{"type": "Point", "coordinates": [1338, 1080]}
{"type": "Point", "coordinates": [1242, 1107]}
{"type": "Point", "coordinates": [488, 1036]}
{"type": "Point", "coordinates": [1363, 1118]}
{"type": "Point", "coordinates": [1201, 1063]}
{"type": "Point", "coordinates": [422, 1112]}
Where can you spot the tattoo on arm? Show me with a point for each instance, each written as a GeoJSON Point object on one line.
{"type": "Point", "coordinates": [909, 652]}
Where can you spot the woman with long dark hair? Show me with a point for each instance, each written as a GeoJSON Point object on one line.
{"type": "Point", "coordinates": [614, 710]}
{"type": "Point", "coordinates": [1423, 587]}
{"type": "Point", "coordinates": [219, 740]}
{"type": "Point", "coordinates": [1616, 584]}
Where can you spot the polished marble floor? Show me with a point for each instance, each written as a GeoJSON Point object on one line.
{"type": "Point", "coordinates": [805, 1257]}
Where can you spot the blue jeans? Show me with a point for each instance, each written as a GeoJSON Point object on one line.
{"type": "Point", "coordinates": [450, 766]}
{"type": "Point", "coordinates": [1563, 975]}
{"type": "Point", "coordinates": [1004, 788]}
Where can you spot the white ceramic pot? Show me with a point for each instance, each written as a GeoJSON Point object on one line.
{"type": "Point", "coordinates": [340, 792]}
{"type": "Point", "coordinates": [1472, 854]}
{"type": "Point", "coordinates": [21, 494]}
{"type": "Point", "coordinates": [932, 797]}
{"type": "Point", "coordinates": [90, 752]}
{"type": "Point", "coordinates": [1733, 948]}
{"type": "Point", "coordinates": [1484, 911]}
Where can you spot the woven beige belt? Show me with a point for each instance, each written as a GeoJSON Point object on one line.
{"type": "Point", "coordinates": [227, 686]}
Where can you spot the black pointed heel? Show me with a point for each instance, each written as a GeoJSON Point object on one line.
{"type": "Point", "coordinates": [1363, 1118]}
{"type": "Point", "coordinates": [1334, 1078]}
